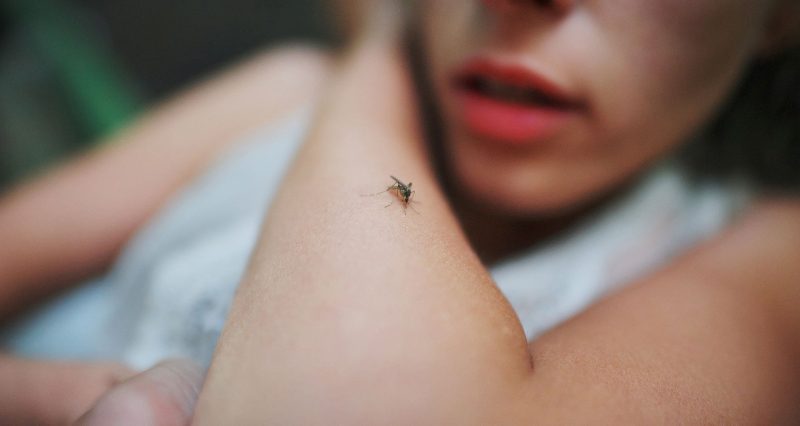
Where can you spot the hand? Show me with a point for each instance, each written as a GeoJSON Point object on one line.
{"type": "Point", "coordinates": [162, 396]}
{"type": "Point", "coordinates": [53, 393]}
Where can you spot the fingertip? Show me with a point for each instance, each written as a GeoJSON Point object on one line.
{"type": "Point", "coordinates": [164, 395]}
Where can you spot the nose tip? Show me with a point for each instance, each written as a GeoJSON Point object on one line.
{"type": "Point", "coordinates": [559, 6]}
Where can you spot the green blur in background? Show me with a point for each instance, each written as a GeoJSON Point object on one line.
{"type": "Point", "coordinates": [73, 72]}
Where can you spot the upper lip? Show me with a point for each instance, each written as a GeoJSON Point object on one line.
{"type": "Point", "coordinates": [517, 75]}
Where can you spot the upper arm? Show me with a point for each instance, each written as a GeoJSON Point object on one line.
{"type": "Point", "coordinates": [352, 314]}
{"type": "Point", "coordinates": [71, 222]}
{"type": "Point", "coordinates": [712, 339]}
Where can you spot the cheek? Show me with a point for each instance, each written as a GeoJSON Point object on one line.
{"type": "Point", "coordinates": [652, 69]}
{"type": "Point", "coordinates": [448, 27]}
{"type": "Point", "coordinates": [672, 59]}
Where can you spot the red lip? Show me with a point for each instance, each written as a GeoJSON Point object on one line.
{"type": "Point", "coordinates": [545, 108]}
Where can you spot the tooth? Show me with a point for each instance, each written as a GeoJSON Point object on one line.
{"type": "Point", "coordinates": [495, 86]}
{"type": "Point", "coordinates": [517, 94]}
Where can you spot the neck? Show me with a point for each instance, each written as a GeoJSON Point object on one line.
{"type": "Point", "coordinates": [495, 237]}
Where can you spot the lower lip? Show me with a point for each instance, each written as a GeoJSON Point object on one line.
{"type": "Point", "coordinates": [508, 123]}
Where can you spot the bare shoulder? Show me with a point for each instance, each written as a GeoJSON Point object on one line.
{"type": "Point", "coordinates": [712, 338]}
{"type": "Point", "coordinates": [773, 214]}
{"type": "Point", "coordinates": [265, 86]}
{"type": "Point", "coordinates": [760, 256]}
{"type": "Point", "coordinates": [192, 127]}
{"type": "Point", "coordinates": [284, 75]}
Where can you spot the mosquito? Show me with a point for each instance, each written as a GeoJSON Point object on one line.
{"type": "Point", "coordinates": [402, 190]}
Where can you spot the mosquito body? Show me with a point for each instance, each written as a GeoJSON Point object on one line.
{"type": "Point", "coordinates": [403, 191]}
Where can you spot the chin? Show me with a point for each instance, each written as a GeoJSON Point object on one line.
{"type": "Point", "coordinates": [518, 192]}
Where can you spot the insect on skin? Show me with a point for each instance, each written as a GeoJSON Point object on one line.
{"type": "Point", "coordinates": [402, 190]}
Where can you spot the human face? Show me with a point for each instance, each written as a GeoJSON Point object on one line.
{"type": "Point", "coordinates": [620, 83]}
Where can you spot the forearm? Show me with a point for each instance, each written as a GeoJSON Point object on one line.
{"type": "Point", "coordinates": [352, 312]}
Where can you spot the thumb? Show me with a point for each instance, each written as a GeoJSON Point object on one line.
{"type": "Point", "coordinates": [162, 396]}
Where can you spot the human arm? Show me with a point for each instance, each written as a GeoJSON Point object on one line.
{"type": "Point", "coordinates": [352, 313]}
{"type": "Point", "coordinates": [71, 222]}
{"type": "Point", "coordinates": [713, 338]}
{"type": "Point", "coordinates": [44, 393]}
{"type": "Point", "coordinates": [52, 392]}
{"type": "Point", "coordinates": [376, 296]}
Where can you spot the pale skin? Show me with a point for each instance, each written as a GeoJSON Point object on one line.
{"type": "Point", "coordinates": [135, 173]}
{"type": "Point", "coordinates": [398, 321]}
{"type": "Point", "coordinates": [51, 242]}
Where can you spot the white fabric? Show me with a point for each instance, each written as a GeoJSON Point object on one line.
{"type": "Point", "coordinates": [660, 218]}
{"type": "Point", "coordinates": [171, 290]}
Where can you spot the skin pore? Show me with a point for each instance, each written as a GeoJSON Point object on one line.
{"type": "Point", "coordinates": [351, 313]}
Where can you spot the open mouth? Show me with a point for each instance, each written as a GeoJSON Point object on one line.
{"type": "Point", "coordinates": [511, 104]}
{"type": "Point", "coordinates": [512, 85]}
{"type": "Point", "coordinates": [509, 92]}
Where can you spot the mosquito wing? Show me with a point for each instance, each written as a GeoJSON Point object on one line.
{"type": "Point", "coordinates": [399, 182]}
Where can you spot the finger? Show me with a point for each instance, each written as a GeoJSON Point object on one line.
{"type": "Point", "coordinates": [53, 392]}
{"type": "Point", "coordinates": [162, 396]}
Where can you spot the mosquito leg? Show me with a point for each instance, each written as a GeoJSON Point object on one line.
{"type": "Point", "coordinates": [375, 194]}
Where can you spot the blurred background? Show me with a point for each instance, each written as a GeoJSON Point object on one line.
{"type": "Point", "coordinates": [73, 71]}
